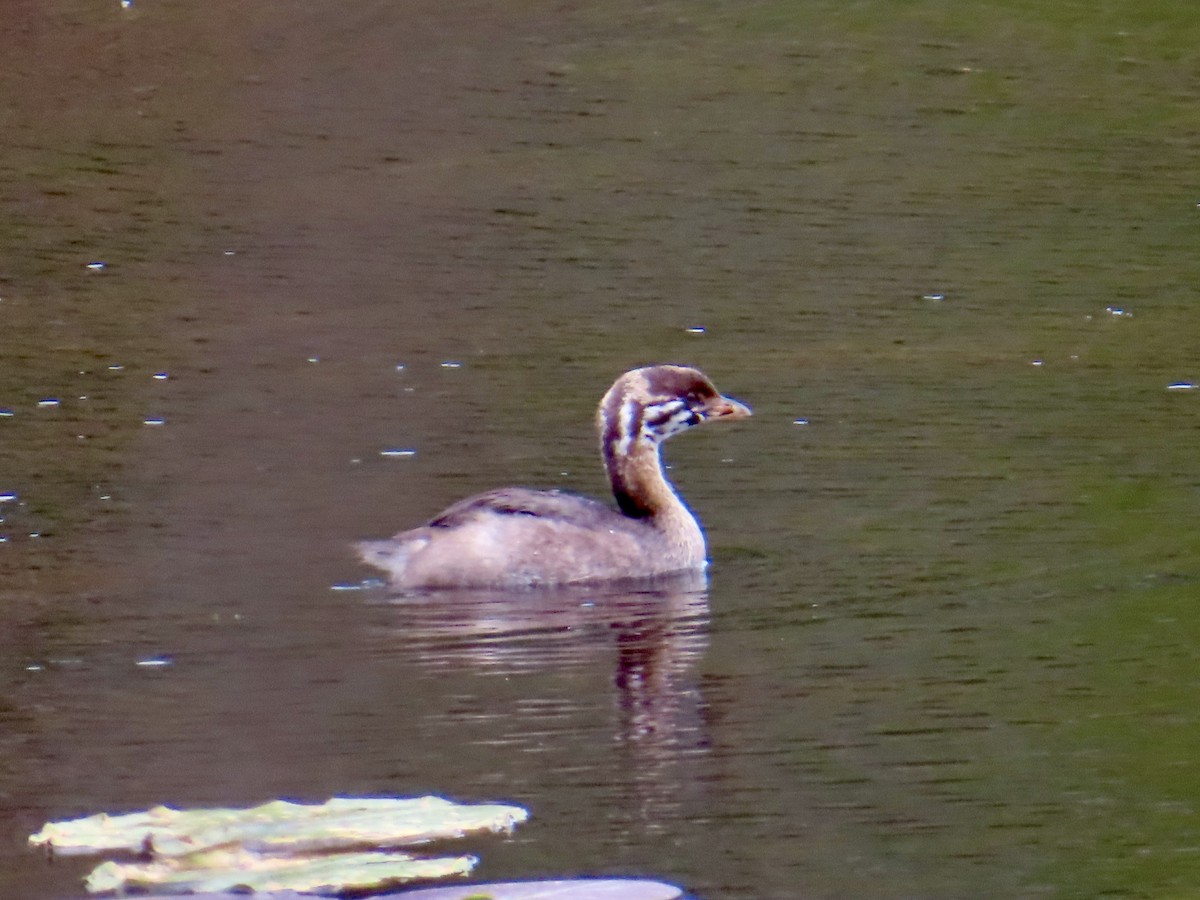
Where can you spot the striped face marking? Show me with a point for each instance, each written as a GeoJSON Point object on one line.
{"type": "Point", "coordinates": [667, 418]}
{"type": "Point", "coordinates": [650, 424]}
{"type": "Point", "coordinates": [651, 407]}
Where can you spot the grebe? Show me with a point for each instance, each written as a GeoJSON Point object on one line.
{"type": "Point", "coordinates": [520, 538]}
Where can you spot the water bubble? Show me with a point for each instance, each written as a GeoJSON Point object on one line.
{"type": "Point", "coordinates": [397, 453]}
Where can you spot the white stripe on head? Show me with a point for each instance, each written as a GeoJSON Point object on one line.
{"type": "Point", "coordinates": [628, 425]}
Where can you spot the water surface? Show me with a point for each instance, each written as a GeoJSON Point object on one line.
{"type": "Point", "coordinates": [948, 646]}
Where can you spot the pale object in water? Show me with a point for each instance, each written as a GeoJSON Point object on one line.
{"type": "Point", "coordinates": [245, 870]}
{"type": "Point", "coordinates": [320, 848]}
{"type": "Point", "coordinates": [279, 826]}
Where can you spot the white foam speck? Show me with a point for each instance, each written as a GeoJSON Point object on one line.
{"type": "Point", "coordinates": [155, 662]}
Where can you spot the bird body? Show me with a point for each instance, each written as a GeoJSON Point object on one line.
{"type": "Point", "coordinates": [520, 538]}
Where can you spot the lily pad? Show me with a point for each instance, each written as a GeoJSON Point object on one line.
{"type": "Point", "coordinates": [564, 889]}
{"type": "Point", "coordinates": [244, 870]}
{"type": "Point", "coordinates": [343, 845]}
{"type": "Point", "coordinates": [279, 826]}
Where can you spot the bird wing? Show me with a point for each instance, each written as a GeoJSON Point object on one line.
{"type": "Point", "coordinates": [553, 505]}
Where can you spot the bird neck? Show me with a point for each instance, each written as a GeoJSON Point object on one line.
{"type": "Point", "coordinates": [639, 484]}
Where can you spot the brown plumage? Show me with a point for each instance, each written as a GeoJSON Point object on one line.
{"type": "Point", "coordinates": [517, 537]}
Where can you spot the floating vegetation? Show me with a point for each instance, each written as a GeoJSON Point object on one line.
{"type": "Point", "coordinates": [233, 870]}
{"type": "Point", "coordinates": [346, 844]}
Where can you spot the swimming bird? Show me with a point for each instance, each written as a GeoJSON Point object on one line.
{"type": "Point", "coordinates": [521, 538]}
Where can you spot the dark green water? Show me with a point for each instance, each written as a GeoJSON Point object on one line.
{"type": "Point", "coordinates": [950, 644]}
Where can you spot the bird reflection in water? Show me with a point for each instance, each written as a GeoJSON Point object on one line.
{"type": "Point", "coordinates": [646, 637]}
